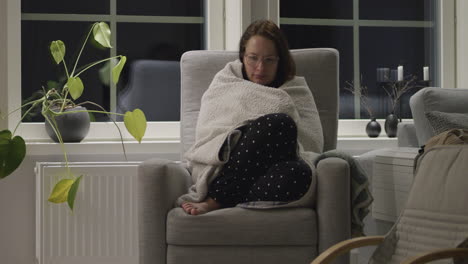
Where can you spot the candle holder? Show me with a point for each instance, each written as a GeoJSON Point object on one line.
{"type": "Point", "coordinates": [395, 90]}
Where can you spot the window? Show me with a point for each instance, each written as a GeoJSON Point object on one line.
{"type": "Point", "coordinates": [142, 30]}
{"type": "Point", "coordinates": [370, 35]}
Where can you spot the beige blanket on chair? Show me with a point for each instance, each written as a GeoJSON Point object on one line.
{"type": "Point", "coordinates": [229, 103]}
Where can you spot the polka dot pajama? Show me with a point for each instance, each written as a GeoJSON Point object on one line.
{"type": "Point", "coordinates": [263, 166]}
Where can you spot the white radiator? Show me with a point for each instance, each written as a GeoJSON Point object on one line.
{"type": "Point", "coordinates": [103, 226]}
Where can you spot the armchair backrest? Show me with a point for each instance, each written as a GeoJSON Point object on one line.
{"type": "Point", "coordinates": [149, 79]}
{"type": "Point", "coordinates": [319, 66]}
{"type": "Point", "coordinates": [449, 100]}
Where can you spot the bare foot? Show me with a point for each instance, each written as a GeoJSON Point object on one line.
{"type": "Point", "coordinates": [201, 208]}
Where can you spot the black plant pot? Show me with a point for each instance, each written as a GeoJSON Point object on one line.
{"type": "Point", "coordinates": [391, 125]}
{"type": "Point", "coordinates": [373, 128]}
{"type": "Point", "coordinates": [73, 127]}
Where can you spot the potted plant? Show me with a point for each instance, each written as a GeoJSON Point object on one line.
{"type": "Point", "coordinates": [57, 105]}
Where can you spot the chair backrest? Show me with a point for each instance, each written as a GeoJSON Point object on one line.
{"type": "Point", "coordinates": [319, 66]}
{"type": "Point", "coordinates": [436, 212]}
{"type": "Point", "coordinates": [154, 87]}
{"type": "Point", "coordinates": [449, 100]}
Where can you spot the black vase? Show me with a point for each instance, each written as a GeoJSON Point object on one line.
{"type": "Point", "coordinates": [391, 125]}
{"type": "Point", "coordinates": [73, 127]}
{"type": "Point", "coordinates": [373, 128]}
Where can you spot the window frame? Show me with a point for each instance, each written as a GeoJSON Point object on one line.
{"type": "Point", "coordinates": [99, 131]}
{"type": "Point", "coordinates": [231, 16]}
{"type": "Point", "coordinates": [445, 57]}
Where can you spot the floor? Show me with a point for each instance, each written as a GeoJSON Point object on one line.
{"type": "Point", "coordinates": [372, 227]}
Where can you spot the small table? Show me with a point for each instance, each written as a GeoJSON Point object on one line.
{"type": "Point", "coordinates": [391, 182]}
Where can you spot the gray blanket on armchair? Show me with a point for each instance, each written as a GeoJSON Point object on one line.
{"type": "Point", "coordinates": [361, 197]}
{"type": "Point", "coordinates": [229, 103]}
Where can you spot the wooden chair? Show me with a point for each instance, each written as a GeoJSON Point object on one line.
{"type": "Point", "coordinates": [434, 222]}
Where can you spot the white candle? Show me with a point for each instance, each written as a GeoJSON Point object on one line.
{"type": "Point", "coordinates": [426, 73]}
{"type": "Point", "coordinates": [400, 73]}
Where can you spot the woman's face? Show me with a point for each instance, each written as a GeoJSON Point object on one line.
{"type": "Point", "coordinates": [260, 60]}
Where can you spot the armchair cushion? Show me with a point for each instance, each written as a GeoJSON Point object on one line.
{"type": "Point", "coordinates": [240, 226]}
{"type": "Point", "coordinates": [441, 121]}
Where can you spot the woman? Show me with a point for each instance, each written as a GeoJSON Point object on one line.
{"type": "Point", "coordinates": [251, 117]}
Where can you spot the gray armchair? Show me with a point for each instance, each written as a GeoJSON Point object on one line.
{"type": "Point", "coordinates": [153, 87]}
{"type": "Point", "coordinates": [446, 100]}
{"type": "Point", "coordinates": [238, 235]}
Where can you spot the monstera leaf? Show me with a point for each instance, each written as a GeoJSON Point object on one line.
{"type": "Point", "coordinates": [12, 152]}
{"type": "Point", "coordinates": [75, 86]}
{"type": "Point", "coordinates": [65, 191]}
{"type": "Point", "coordinates": [72, 192]}
{"type": "Point", "coordinates": [135, 122]}
{"type": "Point", "coordinates": [60, 192]}
{"type": "Point", "coordinates": [101, 33]}
{"type": "Point", "coordinates": [57, 49]}
{"type": "Point", "coordinates": [118, 69]}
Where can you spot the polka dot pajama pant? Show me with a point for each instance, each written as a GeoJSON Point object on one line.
{"type": "Point", "coordinates": [263, 166]}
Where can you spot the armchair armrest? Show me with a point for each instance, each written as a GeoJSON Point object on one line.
{"type": "Point", "coordinates": [345, 246]}
{"type": "Point", "coordinates": [160, 183]}
{"type": "Point", "coordinates": [438, 254]}
{"type": "Point", "coordinates": [406, 135]}
{"type": "Point", "coordinates": [333, 203]}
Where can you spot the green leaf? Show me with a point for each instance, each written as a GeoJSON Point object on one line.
{"type": "Point", "coordinates": [60, 192]}
{"type": "Point", "coordinates": [118, 69]}
{"type": "Point", "coordinates": [75, 86]}
{"type": "Point", "coordinates": [72, 192]}
{"type": "Point", "coordinates": [135, 122]}
{"type": "Point", "coordinates": [101, 33]}
{"type": "Point", "coordinates": [52, 85]}
{"type": "Point", "coordinates": [12, 153]}
{"type": "Point", "coordinates": [57, 49]}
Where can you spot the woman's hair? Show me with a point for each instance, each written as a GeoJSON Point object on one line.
{"type": "Point", "coordinates": [269, 30]}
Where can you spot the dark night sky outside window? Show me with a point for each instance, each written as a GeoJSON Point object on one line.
{"type": "Point", "coordinates": [154, 36]}
{"type": "Point", "coordinates": [389, 33]}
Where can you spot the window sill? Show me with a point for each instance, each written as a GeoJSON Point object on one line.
{"type": "Point", "coordinates": [104, 147]}
{"type": "Point", "coordinates": [349, 144]}
{"type": "Point", "coordinates": [361, 144]}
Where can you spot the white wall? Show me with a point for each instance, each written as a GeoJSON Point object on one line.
{"type": "Point", "coordinates": [10, 58]}
{"type": "Point", "coordinates": [462, 43]}
{"type": "Point", "coordinates": [17, 201]}
{"type": "Point", "coordinates": [3, 63]}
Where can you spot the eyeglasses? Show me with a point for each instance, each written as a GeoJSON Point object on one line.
{"type": "Point", "coordinates": [254, 60]}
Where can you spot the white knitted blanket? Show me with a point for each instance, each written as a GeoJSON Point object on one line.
{"type": "Point", "coordinates": [229, 103]}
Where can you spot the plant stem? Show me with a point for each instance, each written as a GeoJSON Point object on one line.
{"type": "Point", "coordinates": [59, 136]}
{"type": "Point", "coordinates": [120, 132]}
{"type": "Point", "coordinates": [64, 101]}
{"type": "Point", "coordinates": [87, 111]}
{"type": "Point", "coordinates": [82, 47]}
{"type": "Point", "coordinates": [19, 108]}
{"type": "Point", "coordinates": [24, 115]}
{"type": "Point", "coordinates": [96, 63]}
